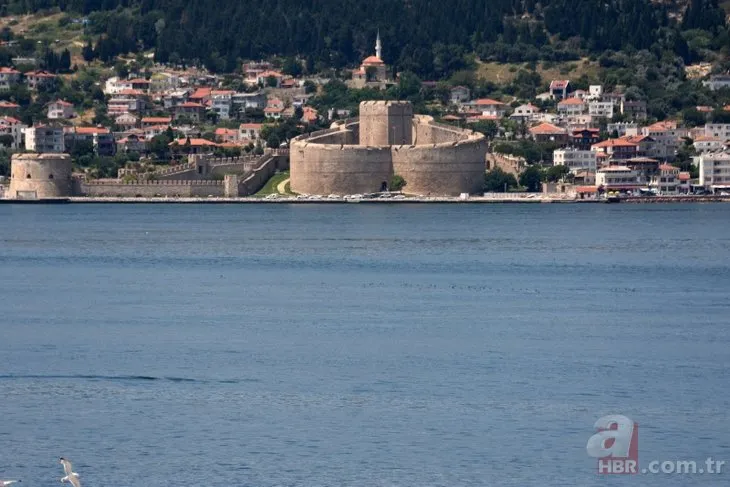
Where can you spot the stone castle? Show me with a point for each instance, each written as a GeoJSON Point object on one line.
{"type": "Point", "coordinates": [48, 176]}
{"type": "Point", "coordinates": [362, 155]}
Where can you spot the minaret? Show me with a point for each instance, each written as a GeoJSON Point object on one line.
{"type": "Point", "coordinates": [378, 47]}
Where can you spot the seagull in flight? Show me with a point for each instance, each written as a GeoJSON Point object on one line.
{"type": "Point", "coordinates": [71, 476]}
{"type": "Point", "coordinates": [5, 483]}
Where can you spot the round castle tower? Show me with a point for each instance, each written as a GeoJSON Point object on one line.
{"type": "Point", "coordinates": [37, 176]}
{"type": "Point", "coordinates": [362, 156]}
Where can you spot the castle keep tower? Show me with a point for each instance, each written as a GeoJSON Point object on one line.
{"type": "Point", "coordinates": [36, 176]}
{"type": "Point", "coordinates": [384, 123]}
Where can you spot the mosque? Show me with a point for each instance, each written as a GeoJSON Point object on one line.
{"type": "Point", "coordinates": [373, 72]}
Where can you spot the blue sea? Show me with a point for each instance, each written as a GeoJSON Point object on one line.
{"type": "Point", "coordinates": [360, 345]}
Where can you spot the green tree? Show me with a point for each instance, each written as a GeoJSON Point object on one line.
{"type": "Point", "coordinates": [556, 173]}
{"type": "Point", "coordinates": [498, 181]}
{"type": "Point", "coordinates": [397, 183]}
{"type": "Point", "coordinates": [531, 179]}
{"type": "Point", "coordinates": [292, 67]}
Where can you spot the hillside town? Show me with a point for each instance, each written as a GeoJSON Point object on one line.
{"type": "Point", "coordinates": [589, 140]}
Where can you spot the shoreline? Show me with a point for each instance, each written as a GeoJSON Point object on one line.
{"type": "Point", "coordinates": [533, 199]}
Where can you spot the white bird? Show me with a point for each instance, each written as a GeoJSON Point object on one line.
{"type": "Point", "coordinates": [71, 476]}
{"type": "Point", "coordinates": [5, 483]}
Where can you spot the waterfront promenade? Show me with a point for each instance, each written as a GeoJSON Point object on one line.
{"type": "Point", "coordinates": [283, 199]}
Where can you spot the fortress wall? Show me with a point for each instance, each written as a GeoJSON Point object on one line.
{"type": "Point", "coordinates": [446, 169]}
{"type": "Point", "coordinates": [40, 176]}
{"type": "Point", "coordinates": [426, 131]}
{"type": "Point", "coordinates": [385, 123]}
{"type": "Point", "coordinates": [151, 189]}
{"type": "Point", "coordinates": [261, 174]}
{"type": "Point", "coordinates": [323, 170]}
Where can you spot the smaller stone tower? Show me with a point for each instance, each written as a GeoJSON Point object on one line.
{"type": "Point", "coordinates": [37, 176]}
{"type": "Point", "coordinates": [384, 123]}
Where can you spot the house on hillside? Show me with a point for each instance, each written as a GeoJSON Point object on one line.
{"type": "Point", "coordinates": [571, 107]}
{"type": "Point", "coordinates": [14, 128]}
{"type": "Point", "coordinates": [100, 138]}
{"type": "Point", "coordinates": [634, 110]}
{"type": "Point", "coordinates": [9, 77]}
{"type": "Point", "coordinates": [525, 112]}
{"type": "Point", "coordinates": [487, 107]}
{"type": "Point", "coordinates": [60, 110]}
{"type": "Point", "coordinates": [126, 121]}
{"type": "Point", "coordinates": [459, 95]}
{"type": "Point", "coordinates": [195, 112]}
{"type": "Point", "coordinates": [717, 82]}
{"type": "Point", "coordinates": [249, 131]}
{"type": "Point", "coordinates": [559, 89]}
{"type": "Point", "coordinates": [38, 79]}
{"type": "Point", "coordinates": [546, 132]}
{"type": "Point", "coordinates": [616, 149]}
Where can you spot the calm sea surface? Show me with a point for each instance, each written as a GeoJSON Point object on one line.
{"type": "Point", "coordinates": [359, 345]}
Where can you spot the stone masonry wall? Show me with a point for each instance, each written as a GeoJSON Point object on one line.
{"type": "Point", "coordinates": [385, 123]}
{"type": "Point", "coordinates": [40, 176]}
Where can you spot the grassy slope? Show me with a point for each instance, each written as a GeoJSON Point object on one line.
{"type": "Point", "coordinates": [499, 73]}
{"type": "Point", "coordinates": [272, 183]}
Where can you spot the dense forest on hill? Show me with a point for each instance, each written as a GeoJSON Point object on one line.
{"type": "Point", "coordinates": [432, 39]}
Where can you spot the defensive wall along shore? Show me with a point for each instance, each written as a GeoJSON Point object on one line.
{"type": "Point", "coordinates": [48, 176]}
{"type": "Point", "coordinates": [361, 156]}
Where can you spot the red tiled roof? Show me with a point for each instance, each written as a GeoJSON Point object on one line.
{"type": "Point", "coordinates": [7, 104]}
{"type": "Point", "coordinates": [200, 93]}
{"type": "Point", "coordinates": [684, 176]}
{"type": "Point", "coordinates": [660, 126]}
{"type": "Point", "coordinates": [487, 102]}
{"type": "Point", "coordinates": [225, 131]}
{"type": "Point", "coordinates": [586, 189]}
{"type": "Point", "coordinates": [572, 101]}
{"type": "Point", "coordinates": [372, 60]}
{"type": "Point", "coordinates": [7, 70]}
{"type": "Point", "coordinates": [156, 119]}
{"type": "Point", "coordinates": [667, 167]}
{"type": "Point", "coordinates": [190, 104]}
{"type": "Point", "coordinates": [559, 84]}
{"type": "Point", "coordinates": [10, 120]}
{"type": "Point", "coordinates": [62, 103]}
{"type": "Point", "coordinates": [615, 143]}
{"type": "Point", "coordinates": [40, 74]}
{"type": "Point", "coordinates": [547, 128]}
{"type": "Point", "coordinates": [194, 142]}
{"type": "Point", "coordinates": [91, 130]}
{"type": "Point", "coordinates": [249, 126]}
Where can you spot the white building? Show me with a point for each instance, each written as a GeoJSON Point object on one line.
{"type": "Point", "coordinates": [576, 160]}
{"type": "Point", "coordinates": [571, 107]}
{"type": "Point", "coordinates": [222, 103]}
{"type": "Point", "coordinates": [718, 131]}
{"type": "Point", "coordinates": [8, 78]}
{"type": "Point", "coordinates": [595, 92]}
{"type": "Point", "coordinates": [44, 138]}
{"type": "Point", "coordinates": [623, 128]}
{"type": "Point", "coordinates": [715, 170]}
{"type": "Point", "coordinates": [667, 181]}
{"type": "Point", "coordinates": [13, 127]}
{"type": "Point", "coordinates": [667, 136]}
{"type": "Point", "coordinates": [708, 144]}
{"type": "Point", "coordinates": [60, 109]}
{"type": "Point", "coordinates": [525, 112]}
{"type": "Point", "coordinates": [249, 131]}
{"type": "Point", "coordinates": [618, 178]}
{"type": "Point", "coordinates": [600, 109]}
{"type": "Point", "coordinates": [717, 82]}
